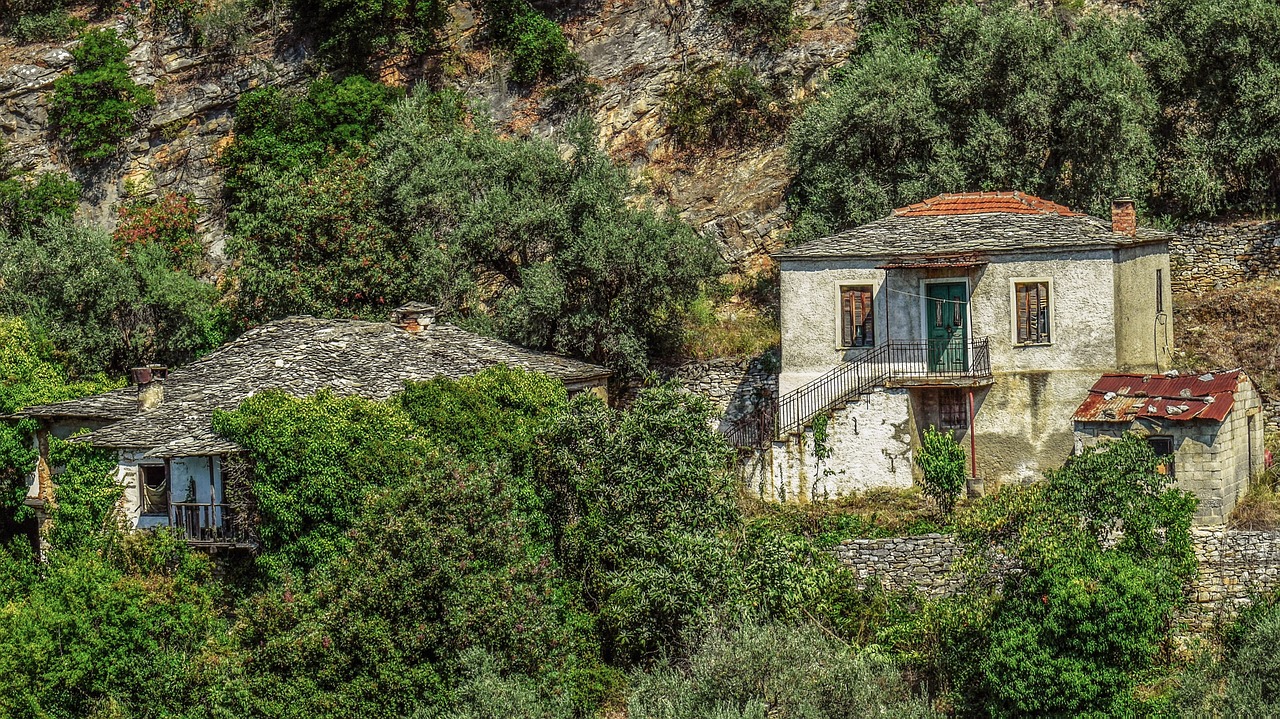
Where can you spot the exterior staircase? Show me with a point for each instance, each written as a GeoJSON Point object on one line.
{"type": "Point", "coordinates": [904, 362]}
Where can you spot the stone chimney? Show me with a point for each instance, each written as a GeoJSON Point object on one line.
{"type": "Point", "coordinates": [1124, 217]}
{"type": "Point", "coordinates": [414, 316]}
{"type": "Point", "coordinates": [150, 383]}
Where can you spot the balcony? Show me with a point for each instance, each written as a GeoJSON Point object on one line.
{"type": "Point", "coordinates": [938, 363]}
{"type": "Point", "coordinates": [211, 525]}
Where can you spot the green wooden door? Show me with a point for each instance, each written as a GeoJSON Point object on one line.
{"type": "Point", "coordinates": [945, 315]}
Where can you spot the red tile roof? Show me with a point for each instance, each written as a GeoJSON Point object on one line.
{"type": "Point", "coordinates": [1125, 397]}
{"type": "Point", "coordinates": [977, 203]}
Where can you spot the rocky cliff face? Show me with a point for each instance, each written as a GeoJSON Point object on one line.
{"type": "Point", "coordinates": [634, 50]}
{"type": "Point", "coordinates": [176, 147]}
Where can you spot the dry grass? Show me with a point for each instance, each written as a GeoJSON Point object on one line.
{"type": "Point", "coordinates": [872, 514]}
{"type": "Point", "coordinates": [1231, 327]}
{"type": "Point", "coordinates": [1259, 510]}
{"type": "Point", "coordinates": [737, 332]}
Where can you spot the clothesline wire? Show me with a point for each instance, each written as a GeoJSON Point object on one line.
{"type": "Point", "coordinates": [913, 294]}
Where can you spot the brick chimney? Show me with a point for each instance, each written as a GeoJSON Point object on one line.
{"type": "Point", "coordinates": [1124, 217]}
{"type": "Point", "coordinates": [414, 316]}
{"type": "Point", "coordinates": [150, 383]}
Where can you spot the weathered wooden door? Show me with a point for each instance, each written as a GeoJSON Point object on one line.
{"type": "Point", "coordinates": [945, 313]}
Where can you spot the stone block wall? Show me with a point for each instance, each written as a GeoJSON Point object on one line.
{"type": "Point", "coordinates": [1211, 255]}
{"type": "Point", "coordinates": [1234, 567]}
{"type": "Point", "coordinates": [733, 385]}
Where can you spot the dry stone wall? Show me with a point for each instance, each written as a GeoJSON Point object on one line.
{"type": "Point", "coordinates": [1213, 255]}
{"type": "Point", "coordinates": [1234, 567]}
{"type": "Point", "coordinates": [733, 385]}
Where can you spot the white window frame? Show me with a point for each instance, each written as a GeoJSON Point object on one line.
{"type": "Point", "coordinates": [1013, 311]}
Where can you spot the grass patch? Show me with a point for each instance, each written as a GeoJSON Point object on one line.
{"type": "Point", "coordinates": [873, 514]}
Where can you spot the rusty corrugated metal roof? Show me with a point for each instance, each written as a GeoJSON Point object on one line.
{"type": "Point", "coordinates": [1125, 397]}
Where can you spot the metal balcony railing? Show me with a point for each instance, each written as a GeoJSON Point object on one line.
{"type": "Point", "coordinates": [907, 361]}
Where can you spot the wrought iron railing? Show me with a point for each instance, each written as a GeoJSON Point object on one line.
{"type": "Point", "coordinates": [906, 360]}
{"type": "Point", "coordinates": [209, 523]}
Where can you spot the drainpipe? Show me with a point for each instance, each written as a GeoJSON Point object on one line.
{"type": "Point", "coordinates": [973, 441]}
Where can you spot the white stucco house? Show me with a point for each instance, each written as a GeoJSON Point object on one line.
{"type": "Point", "coordinates": [989, 314]}
{"type": "Point", "coordinates": [172, 465]}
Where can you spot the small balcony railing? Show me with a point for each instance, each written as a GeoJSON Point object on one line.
{"type": "Point", "coordinates": [210, 523]}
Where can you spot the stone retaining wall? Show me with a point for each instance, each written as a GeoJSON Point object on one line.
{"type": "Point", "coordinates": [1235, 565]}
{"type": "Point", "coordinates": [1210, 255]}
{"type": "Point", "coordinates": [732, 385]}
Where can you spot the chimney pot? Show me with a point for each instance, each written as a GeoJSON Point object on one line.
{"type": "Point", "coordinates": [1124, 217]}
{"type": "Point", "coordinates": [414, 316]}
{"type": "Point", "coordinates": [150, 383]}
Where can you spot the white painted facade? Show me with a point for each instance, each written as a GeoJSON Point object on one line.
{"type": "Point", "coordinates": [1103, 316]}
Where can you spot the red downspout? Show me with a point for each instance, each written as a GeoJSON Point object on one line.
{"type": "Point", "coordinates": [973, 441]}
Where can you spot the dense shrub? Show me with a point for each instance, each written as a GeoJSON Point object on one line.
{"type": "Point", "coordinates": [26, 202]}
{"type": "Point", "coordinates": [354, 31]}
{"type": "Point", "coordinates": [1083, 616]}
{"type": "Point", "coordinates": [776, 671]}
{"type": "Point", "coordinates": [769, 20]}
{"type": "Point", "coordinates": [95, 107]}
{"type": "Point", "coordinates": [314, 462]}
{"type": "Point", "coordinates": [718, 105]}
{"type": "Point", "coordinates": [104, 313]}
{"type": "Point", "coordinates": [28, 376]}
{"type": "Point", "coordinates": [169, 223]}
{"type": "Point", "coordinates": [92, 637]}
{"type": "Point", "coordinates": [56, 24]}
{"type": "Point", "coordinates": [536, 44]}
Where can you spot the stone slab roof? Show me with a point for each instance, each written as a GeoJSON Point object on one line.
{"type": "Point", "coordinates": [961, 224]}
{"type": "Point", "coordinates": [300, 355]}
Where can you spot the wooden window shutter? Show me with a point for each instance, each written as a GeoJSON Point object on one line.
{"type": "Point", "coordinates": [856, 317]}
{"type": "Point", "coordinates": [846, 316]}
{"type": "Point", "coordinates": [1032, 309]}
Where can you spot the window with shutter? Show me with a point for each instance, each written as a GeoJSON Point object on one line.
{"type": "Point", "coordinates": [1031, 312]}
{"type": "Point", "coordinates": [857, 320]}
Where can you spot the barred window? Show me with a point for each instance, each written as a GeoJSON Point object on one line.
{"type": "Point", "coordinates": [1031, 312]}
{"type": "Point", "coordinates": [857, 320]}
{"type": "Point", "coordinates": [953, 411]}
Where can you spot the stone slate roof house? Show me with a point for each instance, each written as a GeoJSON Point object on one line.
{"type": "Point", "coordinates": [170, 460]}
{"type": "Point", "coordinates": [1207, 427]}
{"type": "Point", "coordinates": [989, 314]}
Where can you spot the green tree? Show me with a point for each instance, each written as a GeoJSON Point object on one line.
{"type": "Point", "coordinates": [353, 31]}
{"type": "Point", "coordinates": [104, 313]}
{"type": "Point", "coordinates": [96, 106]}
{"type": "Point", "coordinates": [941, 461]}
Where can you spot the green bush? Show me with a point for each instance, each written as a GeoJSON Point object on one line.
{"type": "Point", "coordinates": [765, 19]}
{"type": "Point", "coordinates": [56, 24]}
{"type": "Point", "coordinates": [539, 49]}
{"type": "Point", "coordinates": [26, 202]}
{"type": "Point", "coordinates": [92, 637]}
{"type": "Point", "coordinates": [101, 312]}
{"type": "Point", "coordinates": [168, 223]}
{"type": "Point", "coordinates": [314, 462]}
{"type": "Point", "coordinates": [942, 465]}
{"type": "Point", "coordinates": [354, 31]}
{"type": "Point", "coordinates": [97, 106]}
{"type": "Point", "coordinates": [717, 105]}
{"type": "Point", "coordinates": [775, 670]}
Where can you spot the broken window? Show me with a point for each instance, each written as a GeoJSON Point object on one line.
{"type": "Point", "coordinates": [1163, 447]}
{"type": "Point", "coordinates": [153, 486]}
{"type": "Point", "coordinates": [857, 321]}
{"type": "Point", "coordinates": [1031, 312]}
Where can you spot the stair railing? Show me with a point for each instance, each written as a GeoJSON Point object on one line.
{"type": "Point", "coordinates": [775, 417]}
